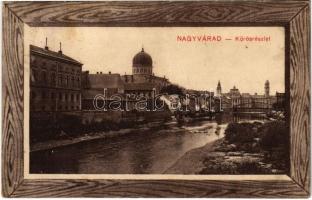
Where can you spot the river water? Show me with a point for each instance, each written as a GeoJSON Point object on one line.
{"type": "Point", "coordinates": [145, 152]}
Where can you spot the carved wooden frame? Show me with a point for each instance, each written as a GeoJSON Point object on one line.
{"type": "Point", "coordinates": [293, 15]}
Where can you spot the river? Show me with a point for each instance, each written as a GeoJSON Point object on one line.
{"type": "Point", "coordinates": [145, 152]}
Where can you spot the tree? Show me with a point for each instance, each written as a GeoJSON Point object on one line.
{"type": "Point", "coordinates": [172, 89]}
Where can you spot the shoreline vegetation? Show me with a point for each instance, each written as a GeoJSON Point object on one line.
{"type": "Point", "coordinates": [247, 148]}
{"type": "Point", "coordinates": [100, 130]}
{"type": "Point", "coordinates": [65, 139]}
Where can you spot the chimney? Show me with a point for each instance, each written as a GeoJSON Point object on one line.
{"type": "Point", "coordinates": [46, 45]}
{"type": "Point", "coordinates": [100, 72]}
{"type": "Point", "coordinates": [60, 51]}
{"type": "Point", "coordinates": [109, 72]}
{"type": "Point", "coordinates": [97, 72]}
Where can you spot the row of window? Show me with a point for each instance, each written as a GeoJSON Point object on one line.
{"type": "Point", "coordinates": [60, 70]}
{"type": "Point", "coordinates": [53, 108]}
{"type": "Point", "coordinates": [53, 96]}
{"type": "Point", "coordinates": [140, 94]}
{"type": "Point", "coordinates": [142, 70]}
{"type": "Point", "coordinates": [46, 78]}
{"type": "Point", "coordinates": [66, 80]}
{"type": "Point", "coordinates": [35, 63]}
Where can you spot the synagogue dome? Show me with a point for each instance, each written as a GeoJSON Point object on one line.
{"type": "Point", "coordinates": [142, 59]}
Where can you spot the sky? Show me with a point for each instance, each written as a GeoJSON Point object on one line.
{"type": "Point", "coordinates": [194, 65]}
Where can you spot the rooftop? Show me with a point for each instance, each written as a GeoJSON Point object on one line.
{"type": "Point", "coordinates": [58, 55]}
{"type": "Point", "coordinates": [104, 81]}
{"type": "Point", "coordinates": [139, 86]}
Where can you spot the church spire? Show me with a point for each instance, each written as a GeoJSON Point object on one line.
{"type": "Point", "coordinates": [267, 88]}
{"type": "Point", "coordinates": [219, 89]}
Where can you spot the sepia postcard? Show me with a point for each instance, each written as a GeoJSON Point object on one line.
{"type": "Point", "coordinates": [175, 100]}
{"type": "Point", "coordinates": [156, 99]}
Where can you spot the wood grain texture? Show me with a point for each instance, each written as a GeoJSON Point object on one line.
{"type": "Point", "coordinates": [300, 98]}
{"type": "Point", "coordinates": [291, 14]}
{"type": "Point", "coordinates": [157, 188]}
{"type": "Point", "coordinates": [12, 102]}
{"type": "Point", "coordinates": [154, 13]}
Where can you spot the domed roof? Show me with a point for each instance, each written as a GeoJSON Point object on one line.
{"type": "Point", "coordinates": [142, 59]}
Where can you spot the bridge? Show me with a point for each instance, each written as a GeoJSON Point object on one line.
{"type": "Point", "coordinates": [259, 107]}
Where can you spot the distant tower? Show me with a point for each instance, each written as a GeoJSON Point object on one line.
{"type": "Point", "coordinates": [267, 88]}
{"type": "Point", "coordinates": [219, 89]}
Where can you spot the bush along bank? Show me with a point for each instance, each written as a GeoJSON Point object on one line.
{"type": "Point", "coordinates": [250, 148]}
{"type": "Point", "coordinates": [67, 126]}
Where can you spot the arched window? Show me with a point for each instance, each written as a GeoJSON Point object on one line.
{"type": "Point", "coordinates": [32, 59]}
{"type": "Point", "coordinates": [34, 75]}
{"type": "Point", "coordinates": [53, 78]}
{"type": "Point", "coordinates": [67, 80]}
{"type": "Point", "coordinates": [60, 82]}
{"type": "Point", "coordinates": [78, 82]}
{"type": "Point", "coordinates": [72, 81]}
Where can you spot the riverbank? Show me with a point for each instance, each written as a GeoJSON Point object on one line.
{"type": "Point", "coordinates": [192, 162]}
{"type": "Point", "coordinates": [50, 144]}
{"type": "Point", "coordinates": [69, 140]}
{"type": "Point", "coordinates": [245, 149]}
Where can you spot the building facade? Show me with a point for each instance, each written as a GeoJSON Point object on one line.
{"type": "Point", "coordinates": [55, 81]}
{"type": "Point", "coordinates": [100, 85]}
{"type": "Point", "coordinates": [234, 100]}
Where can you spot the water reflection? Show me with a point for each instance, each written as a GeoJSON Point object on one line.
{"type": "Point", "coordinates": [239, 117]}
{"type": "Point", "coordinates": [143, 152]}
